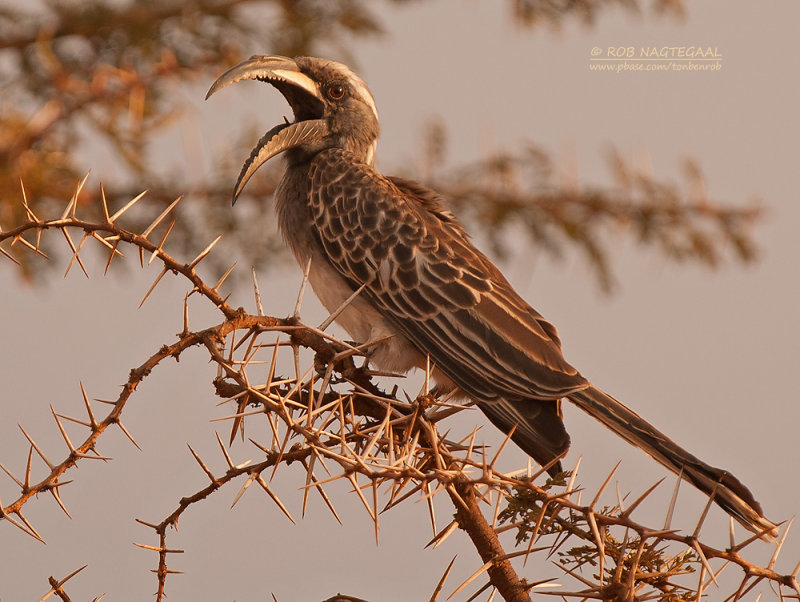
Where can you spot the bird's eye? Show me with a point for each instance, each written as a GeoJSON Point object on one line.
{"type": "Point", "coordinates": [335, 91]}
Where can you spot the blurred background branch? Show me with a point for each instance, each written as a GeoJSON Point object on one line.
{"type": "Point", "coordinates": [80, 78]}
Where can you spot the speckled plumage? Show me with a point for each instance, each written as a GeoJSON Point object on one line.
{"type": "Point", "coordinates": [425, 283]}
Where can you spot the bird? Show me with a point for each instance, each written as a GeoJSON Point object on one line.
{"type": "Point", "coordinates": [392, 248]}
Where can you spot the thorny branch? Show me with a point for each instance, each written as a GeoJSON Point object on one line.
{"type": "Point", "coordinates": [334, 418]}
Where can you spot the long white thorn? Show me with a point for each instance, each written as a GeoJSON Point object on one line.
{"type": "Point", "coordinates": [153, 286]}
{"type": "Point", "coordinates": [164, 214]}
{"type": "Point", "coordinates": [259, 307]}
{"type": "Point", "coordinates": [31, 215]}
{"type": "Point", "coordinates": [327, 322]}
{"type": "Point", "coordinates": [104, 202]}
{"type": "Point", "coordinates": [204, 252]}
{"type": "Point", "coordinates": [73, 202]}
{"type": "Point", "coordinates": [302, 290]}
{"type": "Point", "coordinates": [127, 206]}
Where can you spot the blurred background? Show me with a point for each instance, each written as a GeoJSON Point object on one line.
{"type": "Point", "coordinates": [649, 214]}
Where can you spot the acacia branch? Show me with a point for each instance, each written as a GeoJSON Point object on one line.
{"type": "Point", "coordinates": [334, 419]}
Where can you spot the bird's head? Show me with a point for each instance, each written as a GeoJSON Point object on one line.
{"type": "Point", "coordinates": [332, 109]}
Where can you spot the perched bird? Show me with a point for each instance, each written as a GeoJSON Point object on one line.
{"type": "Point", "coordinates": [420, 279]}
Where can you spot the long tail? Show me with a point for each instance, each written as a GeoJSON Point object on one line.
{"type": "Point", "coordinates": [726, 489]}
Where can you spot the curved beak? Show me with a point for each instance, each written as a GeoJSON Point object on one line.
{"type": "Point", "coordinates": [303, 96]}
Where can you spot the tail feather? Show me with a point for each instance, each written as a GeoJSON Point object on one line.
{"type": "Point", "coordinates": [726, 490]}
{"type": "Point", "coordinates": [538, 428]}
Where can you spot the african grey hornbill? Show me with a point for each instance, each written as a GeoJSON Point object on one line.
{"type": "Point", "coordinates": [423, 281]}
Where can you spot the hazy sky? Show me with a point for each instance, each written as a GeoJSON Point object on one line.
{"type": "Point", "coordinates": [708, 356]}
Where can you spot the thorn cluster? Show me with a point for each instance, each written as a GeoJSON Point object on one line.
{"type": "Point", "coordinates": [332, 423]}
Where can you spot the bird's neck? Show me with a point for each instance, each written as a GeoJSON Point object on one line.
{"type": "Point", "coordinates": [291, 208]}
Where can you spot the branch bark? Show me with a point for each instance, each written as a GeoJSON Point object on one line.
{"type": "Point", "coordinates": [484, 538]}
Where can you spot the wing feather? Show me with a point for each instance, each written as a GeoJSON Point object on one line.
{"type": "Point", "coordinates": [425, 276]}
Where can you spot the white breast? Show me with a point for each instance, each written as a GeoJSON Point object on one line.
{"type": "Point", "coordinates": [362, 321]}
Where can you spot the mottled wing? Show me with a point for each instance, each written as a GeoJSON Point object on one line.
{"type": "Point", "coordinates": [425, 276]}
